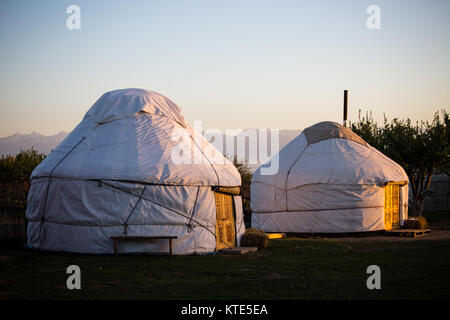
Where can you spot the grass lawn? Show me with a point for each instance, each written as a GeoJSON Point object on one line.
{"type": "Point", "coordinates": [290, 268]}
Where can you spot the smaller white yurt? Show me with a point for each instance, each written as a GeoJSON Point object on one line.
{"type": "Point", "coordinates": [135, 168]}
{"type": "Point", "coordinates": [329, 181]}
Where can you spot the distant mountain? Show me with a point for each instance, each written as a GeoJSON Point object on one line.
{"type": "Point", "coordinates": [44, 144]}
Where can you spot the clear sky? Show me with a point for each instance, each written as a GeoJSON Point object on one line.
{"type": "Point", "coordinates": [232, 64]}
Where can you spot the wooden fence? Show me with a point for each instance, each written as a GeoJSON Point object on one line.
{"type": "Point", "coordinates": [13, 204]}
{"type": "Point", "coordinates": [439, 199]}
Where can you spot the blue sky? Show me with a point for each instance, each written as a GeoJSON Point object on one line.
{"type": "Point", "coordinates": [232, 64]}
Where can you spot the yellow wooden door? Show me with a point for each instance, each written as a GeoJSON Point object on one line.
{"type": "Point", "coordinates": [225, 231]}
{"type": "Point", "coordinates": [392, 206]}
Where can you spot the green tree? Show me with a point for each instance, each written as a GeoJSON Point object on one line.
{"type": "Point", "coordinates": [18, 168]}
{"type": "Point", "coordinates": [246, 178]}
{"type": "Point", "coordinates": [244, 171]}
{"type": "Point", "coordinates": [421, 150]}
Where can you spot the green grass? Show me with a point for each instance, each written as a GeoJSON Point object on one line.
{"type": "Point", "coordinates": [289, 269]}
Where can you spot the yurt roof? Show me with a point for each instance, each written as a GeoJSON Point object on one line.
{"type": "Point", "coordinates": [133, 135]}
{"type": "Point", "coordinates": [329, 130]}
{"type": "Point", "coordinates": [125, 102]}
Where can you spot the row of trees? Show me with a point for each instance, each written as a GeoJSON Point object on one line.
{"type": "Point", "coordinates": [422, 149]}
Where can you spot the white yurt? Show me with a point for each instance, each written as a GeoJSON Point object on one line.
{"type": "Point", "coordinates": [134, 168]}
{"type": "Point", "coordinates": [329, 181]}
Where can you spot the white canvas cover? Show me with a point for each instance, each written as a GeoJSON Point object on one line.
{"type": "Point", "coordinates": [329, 181]}
{"type": "Point", "coordinates": [117, 173]}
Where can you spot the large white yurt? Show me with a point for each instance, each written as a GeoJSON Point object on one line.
{"type": "Point", "coordinates": [329, 181]}
{"type": "Point", "coordinates": [134, 167]}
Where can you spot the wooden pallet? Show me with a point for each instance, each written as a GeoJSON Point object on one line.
{"type": "Point", "coordinates": [411, 233]}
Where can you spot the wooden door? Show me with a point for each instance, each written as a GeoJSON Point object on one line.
{"type": "Point", "coordinates": [225, 227]}
{"type": "Point", "coordinates": [392, 206]}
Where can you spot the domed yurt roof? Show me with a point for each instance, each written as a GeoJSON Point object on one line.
{"type": "Point", "coordinates": [138, 135]}
{"type": "Point", "coordinates": [329, 130]}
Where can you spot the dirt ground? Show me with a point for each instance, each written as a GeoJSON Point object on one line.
{"type": "Point", "coordinates": [435, 235]}
{"type": "Point", "coordinates": [439, 231]}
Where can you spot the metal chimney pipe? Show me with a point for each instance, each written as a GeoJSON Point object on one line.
{"type": "Point", "coordinates": [345, 107]}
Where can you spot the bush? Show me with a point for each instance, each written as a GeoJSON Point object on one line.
{"type": "Point", "coordinates": [416, 223]}
{"type": "Point", "coordinates": [19, 167]}
{"type": "Point", "coordinates": [255, 238]}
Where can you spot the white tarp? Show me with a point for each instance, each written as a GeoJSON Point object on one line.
{"type": "Point", "coordinates": [334, 184]}
{"type": "Point", "coordinates": [115, 174]}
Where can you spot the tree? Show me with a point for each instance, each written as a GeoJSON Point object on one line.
{"type": "Point", "coordinates": [18, 168]}
{"type": "Point", "coordinates": [421, 150]}
{"type": "Point", "coordinates": [244, 171]}
{"type": "Point", "coordinates": [246, 178]}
